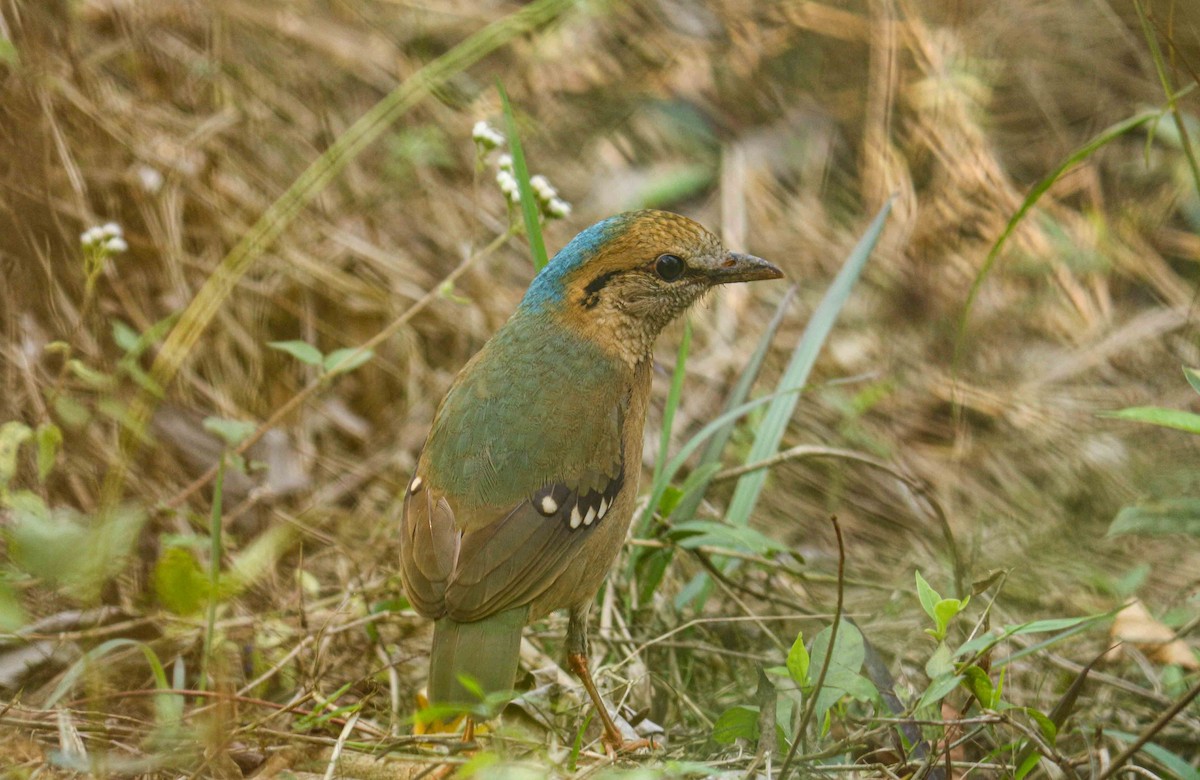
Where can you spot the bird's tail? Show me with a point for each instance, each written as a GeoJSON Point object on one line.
{"type": "Point", "coordinates": [485, 652]}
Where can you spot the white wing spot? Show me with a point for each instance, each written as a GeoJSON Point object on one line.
{"type": "Point", "coordinates": [576, 518]}
{"type": "Point", "coordinates": [415, 485]}
{"type": "Point", "coordinates": [549, 505]}
{"type": "Point", "coordinates": [603, 508]}
{"type": "Point", "coordinates": [591, 515]}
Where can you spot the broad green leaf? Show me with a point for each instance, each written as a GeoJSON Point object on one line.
{"type": "Point", "coordinates": [928, 596]}
{"type": "Point", "coordinates": [940, 663]}
{"type": "Point", "coordinates": [1027, 766]}
{"type": "Point", "coordinates": [49, 442]}
{"type": "Point", "coordinates": [1156, 415]}
{"type": "Point", "coordinates": [124, 336]}
{"type": "Point", "coordinates": [12, 435]}
{"type": "Point", "coordinates": [1158, 518]}
{"type": "Point", "coordinates": [945, 610]}
{"type": "Point", "coordinates": [301, 350]}
{"type": "Point", "coordinates": [798, 662]}
{"type": "Point", "coordinates": [997, 635]}
{"type": "Point", "coordinates": [233, 432]}
{"type": "Point", "coordinates": [340, 361]}
{"type": "Point", "coordinates": [180, 585]}
{"type": "Point", "coordinates": [842, 677]}
{"type": "Point", "coordinates": [739, 722]}
{"type": "Point", "coordinates": [779, 413]}
{"type": "Point", "coordinates": [981, 685]}
{"type": "Point", "coordinates": [938, 689]}
{"type": "Point", "coordinates": [1044, 724]}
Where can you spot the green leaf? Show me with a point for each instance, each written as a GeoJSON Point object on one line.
{"type": "Point", "coordinates": [341, 361]}
{"type": "Point", "coordinates": [945, 610]}
{"type": "Point", "coordinates": [779, 413]}
{"type": "Point", "coordinates": [1156, 415]}
{"type": "Point", "coordinates": [49, 442]}
{"type": "Point", "coordinates": [1176, 765]}
{"type": "Point", "coordinates": [1027, 766]}
{"type": "Point", "coordinates": [12, 435]}
{"type": "Point", "coordinates": [1158, 518]}
{"type": "Point", "coordinates": [180, 585]}
{"type": "Point", "coordinates": [980, 684]}
{"type": "Point", "coordinates": [301, 350]}
{"type": "Point", "coordinates": [709, 533]}
{"type": "Point", "coordinates": [939, 689]}
{"type": "Point", "coordinates": [12, 614]}
{"type": "Point", "coordinates": [1044, 724]}
{"type": "Point", "coordinates": [842, 678]}
{"type": "Point", "coordinates": [928, 596]}
{"type": "Point", "coordinates": [739, 722]}
{"type": "Point", "coordinates": [711, 457]}
{"type": "Point", "coordinates": [798, 661]}
{"type": "Point", "coordinates": [1193, 378]}
{"type": "Point", "coordinates": [124, 336]}
{"type": "Point", "coordinates": [529, 207]}
{"type": "Point", "coordinates": [234, 432]}
{"type": "Point", "coordinates": [673, 395]}
{"type": "Point", "coordinates": [940, 663]}
{"type": "Point", "coordinates": [71, 550]}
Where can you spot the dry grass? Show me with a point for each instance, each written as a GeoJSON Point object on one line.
{"type": "Point", "coordinates": [783, 126]}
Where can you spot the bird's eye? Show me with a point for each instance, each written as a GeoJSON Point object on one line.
{"type": "Point", "coordinates": [669, 267]}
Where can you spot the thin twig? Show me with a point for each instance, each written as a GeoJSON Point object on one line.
{"type": "Point", "coordinates": [1148, 733]}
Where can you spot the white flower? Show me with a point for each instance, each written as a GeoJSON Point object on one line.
{"type": "Point", "coordinates": [507, 182]}
{"type": "Point", "coordinates": [150, 179]}
{"type": "Point", "coordinates": [558, 208]}
{"type": "Point", "coordinates": [543, 188]}
{"type": "Point", "coordinates": [486, 136]}
{"type": "Point", "coordinates": [110, 230]}
{"type": "Point", "coordinates": [115, 245]}
{"type": "Point", "coordinates": [504, 162]}
{"type": "Point", "coordinates": [91, 236]}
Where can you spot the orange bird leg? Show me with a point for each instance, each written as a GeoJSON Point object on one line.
{"type": "Point", "coordinates": [577, 659]}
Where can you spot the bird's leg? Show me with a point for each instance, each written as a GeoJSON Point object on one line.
{"type": "Point", "coordinates": [577, 659]}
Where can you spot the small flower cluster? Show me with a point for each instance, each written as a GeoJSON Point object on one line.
{"type": "Point", "coordinates": [549, 203]}
{"type": "Point", "coordinates": [487, 137]}
{"type": "Point", "coordinates": [104, 239]}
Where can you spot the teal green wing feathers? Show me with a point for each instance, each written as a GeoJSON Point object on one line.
{"type": "Point", "coordinates": [522, 462]}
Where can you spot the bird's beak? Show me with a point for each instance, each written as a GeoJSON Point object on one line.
{"type": "Point", "coordinates": [736, 267]}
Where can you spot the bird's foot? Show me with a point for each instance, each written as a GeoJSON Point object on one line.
{"type": "Point", "coordinates": [616, 744]}
{"type": "Point", "coordinates": [614, 741]}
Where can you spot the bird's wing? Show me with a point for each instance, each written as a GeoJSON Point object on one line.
{"type": "Point", "coordinates": [469, 569]}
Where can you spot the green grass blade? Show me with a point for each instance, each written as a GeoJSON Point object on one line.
{"type": "Point", "coordinates": [1156, 415]}
{"type": "Point", "coordinates": [770, 432]}
{"type": "Point", "coordinates": [668, 421]}
{"type": "Point", "coordinates": [1079, 155]}
{"type": "Point", "coordinates": [529, 207]}
{"type": "Point", "coordinates": [686, 451]}
{"type": "Point", "coordinates": [686, 509]}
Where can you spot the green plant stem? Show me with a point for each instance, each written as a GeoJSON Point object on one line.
{"type": "Point", "coordinates": [214, 571]}
{"type": "Point", "coordinates": [810, 705]}
{"type": "Point", "coordinates": [280, 215]}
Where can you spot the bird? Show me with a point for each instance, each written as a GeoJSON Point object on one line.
{"type": "Point", "coordinates": [525, 487]}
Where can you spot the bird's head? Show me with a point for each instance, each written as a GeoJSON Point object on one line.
{"type": "Point", "coordinates": [623, 279]}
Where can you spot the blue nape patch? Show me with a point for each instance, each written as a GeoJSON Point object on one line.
{"type": "Point", "coordinates": [548, 287]}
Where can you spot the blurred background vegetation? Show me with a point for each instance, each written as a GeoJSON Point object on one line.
{"type": "Point", "coordinates": [227, 141]}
